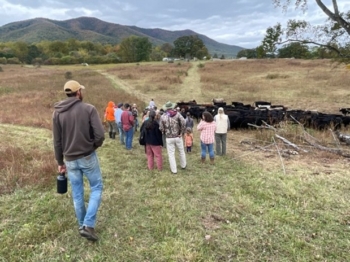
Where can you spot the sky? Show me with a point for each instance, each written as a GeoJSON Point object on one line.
{"type": "Point", "coordinates": [234, 22]}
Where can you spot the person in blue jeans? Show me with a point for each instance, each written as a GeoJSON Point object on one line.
{"type": "Point", "coordinates": [127, 120]}
{"type": "Point", "coordinates": [118, 114]}
{"type": "Point", "coordinates": [77, 133]}
{"type": "Point", "coordinates": [207, 127]}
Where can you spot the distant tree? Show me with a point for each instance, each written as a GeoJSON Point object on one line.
{"type": "Point", "coordinates": [57, 49]}
{"type": "Point", "coordinates": [296, 50]}
{"type": "Point", "coordinates": [73, 44]}
{"type": "Point", "coordinates": [248, 53]}
{"type": "Point", "coordinates": [242, 53]}
{"type": "Point", "coordinates": [157, 54]}
{"type": "Point", "coordinates": [271, 39]}
{"type": "Point", "coordinates": [143, 49]}
{"type": "Point", "coordinates": [222, 57]}
{"type": "Point", "coordinates": [260, 52]}
{"type": "Point", "coordinates": [167, 48]}
{"type": "Point", "coordinates": [20, 51]}
{"type": "Point", "coordinates": [135, 49]}
{"type": "Point", "coordinates": [333, 35]}
{"type": "Point", "coordinates": [33, 53]}
{"type": "Point", "coordinates": [215, 55]}
{"type": "Point", "coordinates": [189, 47]}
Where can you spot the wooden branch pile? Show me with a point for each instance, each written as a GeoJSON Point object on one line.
{"type": "Point", "coordinates": [310, 140]}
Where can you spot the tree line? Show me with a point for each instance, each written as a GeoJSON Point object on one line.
{"type": "Point", "coordinates": [72, 51]}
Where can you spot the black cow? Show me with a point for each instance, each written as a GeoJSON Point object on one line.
{"type": "Point", "coordinates": [344, 111]}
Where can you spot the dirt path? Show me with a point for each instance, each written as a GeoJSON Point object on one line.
{"type": "Point", "coordinates": [191, 85]}
{"type": "Point", "coordinates": [117, 82]}
{"type": "Point", "coordinates": [189, 89]}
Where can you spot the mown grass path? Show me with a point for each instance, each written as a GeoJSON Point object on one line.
{"type": "Point", "coordinates": [190, 88]}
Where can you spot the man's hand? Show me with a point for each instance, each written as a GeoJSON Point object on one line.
{"type": "Point", "coordinates": [62, 169]}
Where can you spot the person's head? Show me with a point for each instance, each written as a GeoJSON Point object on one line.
{"type": "Point", "coordinates": [152, 114]}
{"type": "Point", "coordinates": [120, 105]}
{"type": "Point", "coordinates": [126, 106]}
{"type": "Point", "coordinates": [110, 104]}
{"type": "Point", "coordinates": [188, 114]}
{"type": "Point", "coordinates": [188, 130]}
{"type": "Point", "coordinates": [220, 110]}
{"type": "Point", "coordinates": [73, 89]}
{"type": "Point", "coordinates": [207, 117]}
{"type": "Point", "coordinates": [134, 106]}
{"type": "Point", "coordinates": [178, 109]}
{"type": "Point", "coordinates": [169, 106]}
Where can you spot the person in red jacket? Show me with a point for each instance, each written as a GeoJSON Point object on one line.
{"type": "Point", "coordinates": [109, 117]}
{"type": "Point", "coordinates": [128, 123]}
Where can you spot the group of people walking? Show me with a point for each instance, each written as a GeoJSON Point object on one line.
{"type": "Point", "coordinates": [78, 132]}
{"type": "Point", "coordinates": [176, 132]}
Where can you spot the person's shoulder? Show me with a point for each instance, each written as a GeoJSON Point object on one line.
{"type": "Point", "coordinates": [87, 106]}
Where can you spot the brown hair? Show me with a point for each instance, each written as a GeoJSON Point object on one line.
{"type": "Point", "coordinates": [208, 117]}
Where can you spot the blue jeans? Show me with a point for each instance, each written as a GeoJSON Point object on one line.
{"type": "Point", "coordinates": [204, 148]}
{"type": "Point", "coordinates": [90, 167]}
{"type": "Point", "coordinates": [129, 135]}
{"type": "Point", "coordinates": [136, 125]}
{"type": "Point", "coordinates": [121, 133]}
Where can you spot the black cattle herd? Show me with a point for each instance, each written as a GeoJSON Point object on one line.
{"type": "Point", "coordinates": [241, 115]}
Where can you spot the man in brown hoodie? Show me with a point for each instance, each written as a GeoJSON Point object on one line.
{"type": "Point", "coordinates": [77, 133]}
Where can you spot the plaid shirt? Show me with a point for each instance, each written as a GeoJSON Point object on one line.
{"type": "Point", "coordinates": [207, 131]}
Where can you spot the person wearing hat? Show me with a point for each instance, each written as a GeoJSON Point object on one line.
{"type": "Point", "coordinates": [172, 124]}
{"type": "Point", "coordinates": [77, 133]}
{"type": "Point", "coordinates": [222, 126]}
{"type": "Point", "coordinates": [118, 114]}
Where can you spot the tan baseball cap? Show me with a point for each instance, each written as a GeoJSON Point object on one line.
{"type": "Point", "coordinates": [72, 86]}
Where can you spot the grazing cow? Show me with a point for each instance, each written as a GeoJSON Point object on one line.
{"type": "Point", "coordinates": [262, 103]}
{"type": "Point", "coordinates": [186, 105]}
{"type": "Point", "coordinates": [242, 106]}
{"type": "Point", "coordinates": [344, 111]}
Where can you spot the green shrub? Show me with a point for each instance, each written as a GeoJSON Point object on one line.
{"type": "Point", "coordinates": [13, 60]}
{"type": "Point", "coordinates": [68, 75]}
{"type": "Point", "coordinates": [3, 60]}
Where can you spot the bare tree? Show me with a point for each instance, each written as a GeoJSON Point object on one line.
{"type": "Point", "coordinates": [334, 34]}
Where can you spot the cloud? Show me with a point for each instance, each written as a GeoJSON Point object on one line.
{"type": "Point", "coordinates": [240, 22]}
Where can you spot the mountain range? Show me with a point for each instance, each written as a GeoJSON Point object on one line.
{"type": "Point", "coordinates": [95, 30]}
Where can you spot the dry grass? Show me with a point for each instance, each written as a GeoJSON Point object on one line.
{"type": "Point", "coordinates": [252, 205]}
{"type": "Point", "coordinates": [293, 83]}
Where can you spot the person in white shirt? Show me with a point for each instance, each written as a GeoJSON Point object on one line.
{"type": "Point", "coordinates": [222, 126]}
{"type": "Point", "coordinates": [152, 104]}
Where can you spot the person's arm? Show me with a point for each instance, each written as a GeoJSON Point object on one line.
{"type": "Point", "coordinates": [57, 139]}
{"type": "Point", "coordinates": [161, 125]}
{"type": "Point", "coordinates": [228, 124]}
{"type": "Point", "coordinates": [131, 119]}
{"type": "Point", "coordinates": [97, 128]}
{"type": "Point", "coordinates": [200, 125]}
{"type": "Point", "coordinates": [182, 124]}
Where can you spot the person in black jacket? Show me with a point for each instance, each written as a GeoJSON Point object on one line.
{"type": "Point", "coordinates": [154, 141]}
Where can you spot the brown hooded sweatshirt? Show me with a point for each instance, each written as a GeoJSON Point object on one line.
{"type": "Point", "coordinates": [77, 129]}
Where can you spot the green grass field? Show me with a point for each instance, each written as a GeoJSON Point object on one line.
{"type": "Point", "coordinates": [235, 210]}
